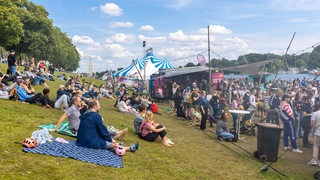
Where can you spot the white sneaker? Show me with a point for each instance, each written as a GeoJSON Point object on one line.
{"type": "Point", "coordinates": [287, 148]}
{"type": "Point", "coordinates": [313, 162]}
{"type": "Point", "coordinates": [297, 150]}
{"type": "Point", "coordinates": [170, 142]}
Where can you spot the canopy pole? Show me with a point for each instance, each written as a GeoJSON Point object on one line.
{"type": "Point", "coordinates": [135, 65]}
{"type": "Point", "coordinates": [284, 57]}
{"type": "Point", "coordinates": [209, 58]}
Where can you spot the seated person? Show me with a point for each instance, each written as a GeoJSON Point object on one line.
{"type": "Point", "coordinates": [28, 73]}
{"type": "Point", "coordinates": [23, 94]}
{"type": "Point", "coordinates": [134, 102]}
{"type": "Point", "coordinates": [123, 107]}
{"type": "Point", "coordinates": [3, 93]}
{"type": "Point", "coordinates": [150, 130]}
{"type": "Point", "coordinates": [93, 134]}
{"type": "Point", "coordinates": [138, 119]}
{"type": "Point", "coordinates": [62, 102]}
{"type": "Point", "coordinates": [73, 113]}
{"type": "Point", "coordinates": [40, 79]}
{"type": "Point", "coordinates": [195, 117]}
{"type": "Point", "coordinates": [222, 128]}
{"type": "Point", "coordinates": [63, 91]}
{"type": "Point", "coordinates": [30, 90]}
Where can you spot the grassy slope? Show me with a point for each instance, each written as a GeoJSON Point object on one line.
{"type": "Point", "coordinates": [194, 156]}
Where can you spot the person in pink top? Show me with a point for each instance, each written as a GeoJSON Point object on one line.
{"type": "Point", "coordinates": [150, 130]}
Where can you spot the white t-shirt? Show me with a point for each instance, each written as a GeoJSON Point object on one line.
{"type": "Point", "coordinates": [316, 117]}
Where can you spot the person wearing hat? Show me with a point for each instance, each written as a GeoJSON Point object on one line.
{"type": "Point", "coordinates": [287, 117]}
{"type": "Point", "coordinates": [12, 63]}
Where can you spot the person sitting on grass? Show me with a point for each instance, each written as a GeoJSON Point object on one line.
{"type": "Point", "coordinates": [23, 94]}
{"type": "Point", "coordinates": [3, 93]}
{"type": "Point", "coordinates": [62, 102]}
{"type": "Point", "coordinates": [138, 119]}
{"type": "Point", "coordinates": [93, 134]}
{"type": "Point", "coordinates": [150, 130]}
{"type": "Point", "coordinates": [73, 114]}
{"type": "Point", "coordinates": [222, 128]}
{"type": "Point", "coordinates": [123, 107]}
{"type": "Point", "coordinates": [195, 117]}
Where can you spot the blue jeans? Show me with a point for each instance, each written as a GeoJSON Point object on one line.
{"type": "Point", "coordinates": [299, 130]}
{"type": "Point", "coordinates": [13, 70]}
{"type": "Point", "coordinates": [289, 132]}
{"type": "Point", "coordinates": [226, 135]}
{"type": "Point", "coordinates": [234, 118]}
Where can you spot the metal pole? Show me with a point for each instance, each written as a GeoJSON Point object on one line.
{"type": "Point", "coordinates": [210, 84]}
{"type": "Point", "coordinates": [144, 66]}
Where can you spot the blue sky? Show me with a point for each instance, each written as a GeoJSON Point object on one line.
{"type": "Point", "coordinates": [111, 32]}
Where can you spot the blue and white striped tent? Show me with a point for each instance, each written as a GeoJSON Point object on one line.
{"type": "Point", "coordinates": [152, 64]}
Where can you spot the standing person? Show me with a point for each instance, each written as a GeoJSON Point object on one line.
{"type": "Point", "coordinates": [51, 69]}
{"type": "Point", "coordinates": [204, 106]}
{"type": "Point", "coordinates": [297, 104]}
{"type": "Point", "coordinates": [12, 63]}
{"type": "Point", "coordinates": [186, 102]}
{"type": "Point", "coordinates": [234, 106]}
{"type": "Point", "coordinates": [92, 133]}
{"type": "Point", "coordinates": [306, 121]}
{"type": "Point", "coordinates": [274, 103]}
{"type": "Point", "coordinates": [315, 123]}
{"type": "Point", "coordinates": [287, 117]}
{"type": "Point", "coordinates": [214, 101]}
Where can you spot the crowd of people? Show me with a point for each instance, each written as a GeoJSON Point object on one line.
{"type": "Point", "coordinates": [296, 103]}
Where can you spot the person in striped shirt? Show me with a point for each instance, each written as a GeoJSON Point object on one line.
{"type": "Point", "coordinates": [287, 117]}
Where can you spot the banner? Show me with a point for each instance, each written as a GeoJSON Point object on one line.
{"type": "Point", "coordinates": [201, 59]}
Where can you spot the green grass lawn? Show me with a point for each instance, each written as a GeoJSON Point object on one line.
{"type": "Point", "coordinates": [195, 155]}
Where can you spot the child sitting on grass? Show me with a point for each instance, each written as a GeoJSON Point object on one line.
{"type": "Point", "coordinates": [222, 128]}
{"type": "Point", "coordinates": [195, 117]}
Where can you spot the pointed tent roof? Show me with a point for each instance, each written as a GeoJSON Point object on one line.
{"type": "Point", "coordinates": [152, 64]}
{"type": "Point", "coordinates": [131, 69]}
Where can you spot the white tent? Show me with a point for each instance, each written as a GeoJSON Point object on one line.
{"type": "Point", "coordinates": [151, 64]}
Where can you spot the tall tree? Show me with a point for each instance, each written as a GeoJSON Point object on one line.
{"type": "Point", "coordinates": [11, 27]}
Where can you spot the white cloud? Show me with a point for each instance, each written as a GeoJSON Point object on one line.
{"type": "Point", "coordinates": [296, 5]}
{"type": "Point", "coordinates": [121, 38]}
{"type": "Point", "coordinates": [111, 9]}
{"type": "Point", "coordinates": [216, 29]}
{"type": "Point", "coordinates": [146, 28]}
{"type": "Point", "coordinates": [85, 40]}
{"type": "Point", "coordinates": [181, 36]}
{"type": "Point", "coordinates": [121, 24]}
{"type": "Point", "coordinates": [156, 39]}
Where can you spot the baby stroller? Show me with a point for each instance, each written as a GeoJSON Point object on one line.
{"type": "Point", "coordinates": [246, 125]}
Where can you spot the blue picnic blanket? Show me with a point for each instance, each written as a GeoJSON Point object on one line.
{"type": "Point", "coordinates": [71, 150]}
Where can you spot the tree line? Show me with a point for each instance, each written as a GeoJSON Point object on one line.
{"type": "Point", "coordinates": [308, 60]}
{"type": "Point", "coordinates": [26, 28]}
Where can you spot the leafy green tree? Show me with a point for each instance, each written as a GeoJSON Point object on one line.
{"type": "Point", "coordinates": [190, 64]}
{"type": "Point", "coordinates": [11, 27]}
{"type": "Point", "coordinates": [314, 59]}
